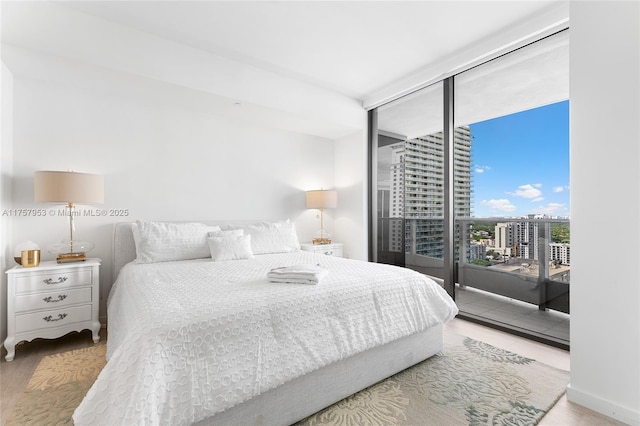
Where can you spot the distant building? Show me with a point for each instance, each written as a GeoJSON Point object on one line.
{"type": "Point", "coordinates": [477, 251]}
{"type": "Point", "coordinates": [520, 239]}
{"type": "Point", "coordinates": [504, 238]}
{"type": "Point", "coordinates": [396, 180]}
{"type": "Point", "coordinates": [383, 213]}
{"type": "Point", "coordinates": [560, 253]}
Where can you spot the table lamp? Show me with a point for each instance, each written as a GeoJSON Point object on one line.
{"type": "Point", "coordinates": [321, 199]}
{"type": "Point", "coordinates": [70, 188]}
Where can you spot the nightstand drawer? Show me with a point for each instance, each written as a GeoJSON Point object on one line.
{"type": "Point", "coordinates": [52, 281]}
{"type": "Point", "coordinates": [52, 299]}
{"type": "Point", "coordinates": [329, 251]}
{"type": "Point", "coordinates": [52, 318]}
{"type": "Point", "coordinates": [333, 249]}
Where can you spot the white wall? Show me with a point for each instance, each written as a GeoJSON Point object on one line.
{"type": "Point", "coordinates": [159, 163]}
{"type": "Point", "coordinates": [178, 133]}
{"type": "Point", "coordinates": [6, 167]}
{"type": "Point", "coordinates": [350, 178]}
{"type": "Point", "coordinates": [605, 204]}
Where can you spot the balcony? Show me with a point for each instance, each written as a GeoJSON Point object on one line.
{"type": "Point", "coordinates": [522, 288]}
{"type": "Point", "coordinates": [520, 317]}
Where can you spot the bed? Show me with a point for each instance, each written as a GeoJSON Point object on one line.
{"type": "Point", "coordinates": [210, 340]}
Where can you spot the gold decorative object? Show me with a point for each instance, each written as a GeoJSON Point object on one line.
{"type": "Point", "coordinates": [71, 257]}
{"type": "Point", "coordinates": [20, 248]}
{"type": "Point", "coordinates": [30, 258]}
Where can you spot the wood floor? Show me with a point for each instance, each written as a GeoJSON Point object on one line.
{"type": "Point", "coordinates": [15, 375]}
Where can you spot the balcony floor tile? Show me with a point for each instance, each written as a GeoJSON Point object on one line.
{"type": "Point", "coordinates": [515, 313]}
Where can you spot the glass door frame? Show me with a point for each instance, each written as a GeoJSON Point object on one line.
{"type": "Point", "coordinates": [449, 208]}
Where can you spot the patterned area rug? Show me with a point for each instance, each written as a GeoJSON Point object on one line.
{"type": "Point", "coordinates": [468, 383]}
{"type": "Point", "coordinates": [57, 386]}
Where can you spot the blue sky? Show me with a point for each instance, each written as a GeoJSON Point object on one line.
{"type": "Point", "coordinates": [521, 163]}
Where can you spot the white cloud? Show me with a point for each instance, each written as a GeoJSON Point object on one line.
{"type": "Point", "coordinates": [552, 209]}
{"type": "Point", "coordinates": [481, 169]}
{"type": "Point", "coordinates": [528, 191]}
{"type": "Point", "coordinates": [560, 188]}
{"type": "Point", "coordinates": [537, 200]}
{"type": "Point", "coordinates": [502, 205]}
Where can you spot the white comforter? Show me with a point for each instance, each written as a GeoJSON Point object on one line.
{"type": "Point", "coordinates": [192, 338]}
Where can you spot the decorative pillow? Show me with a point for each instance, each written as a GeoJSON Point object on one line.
{"type": "Point", "coordinates": [166, 241]}
{"type": "Point", "coordinates": [230, 247]}
{"type": "Point", "coordinates": [275, 237]}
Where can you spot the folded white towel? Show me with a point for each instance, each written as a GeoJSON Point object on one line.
{"type": "Point", "coordinates": [298, 274]}
{"type": "Point", "coordinates": [293, 281]}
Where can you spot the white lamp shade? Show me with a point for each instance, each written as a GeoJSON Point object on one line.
{"type": "Point", "coordinates": [68, 187]}
{"type": "Point", "coordinates": [322, 199]}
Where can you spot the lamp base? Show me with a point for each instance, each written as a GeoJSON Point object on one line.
{"type": "Point", "coordinates": [321, 241]}
{"type": "Point", "coordinates": [71, 250]}
{"type": "Point", "coordinates": [71, 257]}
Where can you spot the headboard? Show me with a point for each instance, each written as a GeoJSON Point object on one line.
{"type": "Point", "coordinates": [124, 249]}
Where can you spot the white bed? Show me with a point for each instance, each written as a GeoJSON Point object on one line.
{"type": "Point", "coordinates": [214, 342]}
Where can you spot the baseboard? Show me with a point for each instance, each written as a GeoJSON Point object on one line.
{"type": "Point", "coordinates": [602, 406]}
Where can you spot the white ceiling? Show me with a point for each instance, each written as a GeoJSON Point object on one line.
{"type": "Point", "coordinates": [530, 77]}
{"type": "Point", "coordinates": [354, 50]}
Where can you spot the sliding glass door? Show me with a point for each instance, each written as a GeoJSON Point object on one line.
{"type": "Point", "coordinates": [409, 182]}
{"type": "Point", "coordinates": [516, 270]}
{"type": "Point", "coordinates": [470, 181]}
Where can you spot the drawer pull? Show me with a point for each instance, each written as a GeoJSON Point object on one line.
{"type": "Point", "coordinates": [49, 318]}
{"type": "Point", "coordinates": [328, 253]}
{"type": "Point", "coordinates": [60, 280]}
{"type": "Point", "coordinates": [50, 299]}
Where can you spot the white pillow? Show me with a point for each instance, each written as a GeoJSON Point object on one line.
{"type": "Point", "coordinates": [166, 241]}
{"type": "Point", "coordinates": [275, 237]}
{"type": "Point", "coordinates": [230, 247]}
{"type": "Point", "coordinates": [223, 233]}
{"type": "Point", "coordinates": [136, 236]}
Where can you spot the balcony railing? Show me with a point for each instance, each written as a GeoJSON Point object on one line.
{"type": "Point", "coordinates": [528, 272]}
{"type": "Point", "coordinates": [524, 270]}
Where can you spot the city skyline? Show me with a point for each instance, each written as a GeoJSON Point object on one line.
{"type": "Point", "coordinates": [521, 163]}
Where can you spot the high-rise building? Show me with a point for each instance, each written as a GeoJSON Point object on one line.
{"type": "Point", "coordinates": [504, 238]}
{"type": "Point", "coordinates": [417, 190]}
{"type": "Point", "coordinates": [396, 180]}
{"type": "Point", "coordinates": [517, 239]}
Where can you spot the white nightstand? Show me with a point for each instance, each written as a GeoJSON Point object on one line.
{"type": "Point", "coordinates": [50, 300]}
{"type": "Point", "coordinates": [333, 249]}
